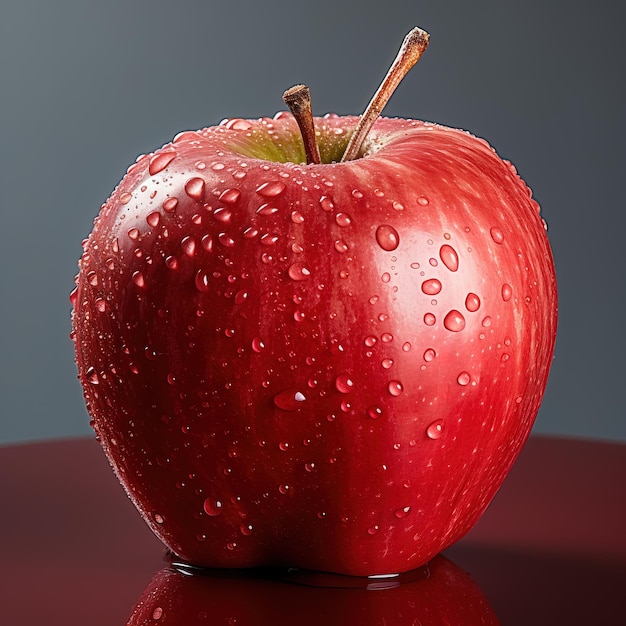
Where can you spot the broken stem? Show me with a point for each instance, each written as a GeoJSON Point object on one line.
{"type": "Point", "coordinates": [298, 99]}
{"type": "Point", "coordinates": [409, 54]}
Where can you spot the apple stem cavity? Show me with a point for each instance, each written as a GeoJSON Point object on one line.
{"type": "Point", "coordinates": [298, 99]}
{"type": "Point", "coordinates": [409, 54]}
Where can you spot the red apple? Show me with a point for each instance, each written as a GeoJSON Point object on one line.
{"type": "Point", "coordinates": [329, 366]}
{"type": "Point", "coordinates": [438, 594]}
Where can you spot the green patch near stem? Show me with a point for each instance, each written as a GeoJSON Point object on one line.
{"type": "Point", "coordinates": [288, 147]}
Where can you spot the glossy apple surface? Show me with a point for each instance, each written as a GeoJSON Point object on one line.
{"type": "Point", "coordinates": [326, 366]}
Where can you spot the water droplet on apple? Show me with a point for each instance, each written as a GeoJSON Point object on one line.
{"type": "Point", "coordinates": [374, 412]}
{"type": "Point", "coordinates": [194, 188]}
{"type": "Point", "coordinates": [266, 209]}
{"type": "Point", "coordinates": [154, 219]}
{"type": "Point", "coordinates": [402, 512]}
{"type": "Point", "coordinates": [370, 341]}
{"type": "Point", "coordinates": [101, 305]}
{"type": "Point", "coordinates": [335, 347]}
{"type": "Point", "coordinates": [298, 272]}
{"type": "Point", "coordinates": [297, 217]}
{"type": "Point", "coordinates": [344, 384]}
{"type": "Point", "coordinates": [435, 429]}
{"type": "Point", "coordinates": [429, 319]}
{"type": "Point", "coordinates": [372, 530]}
{"type": "Point", "coordinates": [207, 243]}
{"type": "Point", "coordinates": [289, 400]}
{"type": "Point", "coordinates": [486, 321]}
{"type": "Point", "coordinates": [226, 240]}
{"type": "Point", "coordinates": [223, 215]}
{"type": "Point", "coordinates": [188, 245]}
{"type": "Point", "coordinates": [125, 198]}
{"type": "Point", "coordinates": [250, 232]}
{"type": "Point", "coordinates": [454, 321]}
{"type": "Point", "coordinates": [357, 194]}
{"type": "Point", "coordinates": [160, 161]}
{"type": "Point", "coordinates": [241, 296]}
{"type": "Point", "coordinates": [387, 237]}
{"type": "Point", "coordinates": [92, 376]}
{"type": "Point", "coordinates": [138, 279]}
{"type": "Point", "coordinates": [186, 135]}
{"type": "Point", "coordinates": [271, 189]}
{"type": "Point", "coordinates": [341, 246]}
{"type": "Point", "coordinates": [406, 346]}
{"type": "Point", "coordinates": [133, 233]}
{"type": "Point", "coordinates": [202, 281]}
{"type": "Point", "coordinates": [463, 379]}
{"type": "Point", "coordinates": [170, 204]}
{"type": "Point", "coordinates": [212, 507]}
{"type": "Point", "coordinates": [472, 302]}
{"type": "Point", "coordinates": [157, 613]}
{"type": "Point", "coordinates": [429, 355]}
{"type": "Point", "coordinates": [229, 196]}
{"type": "Point", "coordinates": [431, 287]}
{"type": "Point", "coordinates": [387, 363]}
{"type": "Point", "coordinates": [258, 345]}
{"type": "Point", "coordinates": [449, 257]}
{"type": "Point", "coordinates": [497, 235]}
{"type": "Point", "coordinates": [395, 388]}
{"type": "Point", "coordinates": [238, 124]}
{"type": "Point", "coordinates": [343, 219]}
{"type": "Point", "coordinates": [326, 203]}
{"type": "Point", "coordinates": [398, 206]}
{"type": "Point", "coordinates": [386, 277]}
{"type": "Point", "coordinates": [246, 529]}
{"type": "Point", "coordinates": [422, 201]}
{"type": "Point", "coordinates": [269, 239]}
{"type": "Point", "coordinates": [507, 292]}
{"type": "Point", "coordinates": [171, 262]}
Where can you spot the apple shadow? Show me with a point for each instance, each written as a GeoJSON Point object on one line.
{"type": "Point", "coordinates": [440, 593]}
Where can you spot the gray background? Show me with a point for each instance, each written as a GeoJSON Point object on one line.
{"type": "Point", "coordinates": [87, 85]}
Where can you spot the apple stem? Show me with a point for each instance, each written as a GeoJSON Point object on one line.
{"type": "Point", "coordinates": [409, 54]}
{"type": "Point", "coordinates": [298, 99]}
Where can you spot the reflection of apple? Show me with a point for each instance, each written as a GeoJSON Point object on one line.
{"type": "Point", "coordinates": [330, 366]}
{"type": "Point", "coordinates": [440, 593]}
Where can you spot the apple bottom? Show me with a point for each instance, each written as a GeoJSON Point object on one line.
{"type": "Point", "coordinates": [303, 524]}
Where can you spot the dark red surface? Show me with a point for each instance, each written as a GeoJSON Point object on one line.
{"type": "Point", "coordinates": [551, 548]}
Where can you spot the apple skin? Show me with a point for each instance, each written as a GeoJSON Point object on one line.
{"type": "Point", "coordinates": [440, 593]}
{"type": "Point", "coordinates": [328, 366]}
